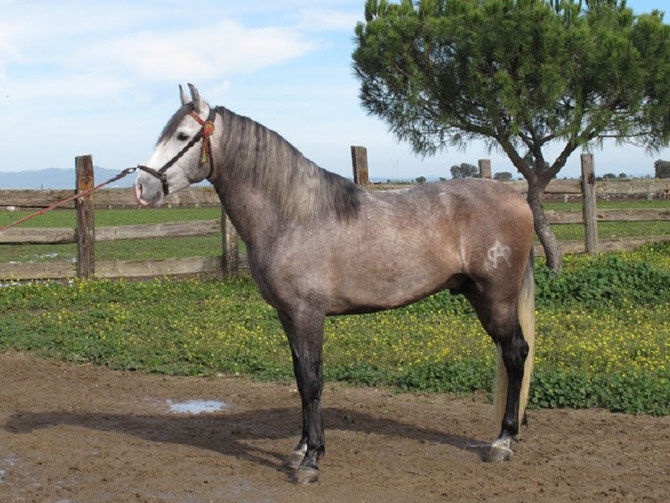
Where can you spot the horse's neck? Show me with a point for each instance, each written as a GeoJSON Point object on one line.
{"type": "Point", "coordinates": [264, 182]}
{"type": "Point", "coordinates": [252, 208]}
{"type": "Point", "coordinates": [250, 212]}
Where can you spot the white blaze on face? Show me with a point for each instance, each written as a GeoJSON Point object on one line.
{"type": "Point", "coordinates": [497, 252]}
{"type": "Point", "coordinates": [149, 189]}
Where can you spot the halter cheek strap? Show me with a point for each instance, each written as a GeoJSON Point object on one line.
{"type": "Point", "coordinates": [205, 132]}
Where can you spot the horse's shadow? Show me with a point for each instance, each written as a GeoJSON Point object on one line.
{"type": "Point", "coordinates": [227, 432]}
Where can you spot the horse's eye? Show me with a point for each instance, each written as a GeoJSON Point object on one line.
{"type": "Point", "coordinates": [182, 137]}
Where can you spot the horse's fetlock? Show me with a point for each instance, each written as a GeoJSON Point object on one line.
{"type": "Point", "coordinates": [510, 427]}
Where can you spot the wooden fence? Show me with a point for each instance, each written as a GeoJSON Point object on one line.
{"type": "Point", "coordinates": [86, 234]}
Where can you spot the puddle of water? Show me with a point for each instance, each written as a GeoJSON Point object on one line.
{"type": "Point", "coordinates": [2, 476]}
{"type": "Point", "coordinates": [196, 406]}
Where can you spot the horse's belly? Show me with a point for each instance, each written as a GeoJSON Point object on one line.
{"type": "Point", "coordinates": [379, 289]}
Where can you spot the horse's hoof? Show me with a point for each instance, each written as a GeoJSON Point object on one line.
{"type": "Point", "coordinates": [498, 454]}
{"type": "Point", "coordinates": [305, 475]}
{"type": "Point", "coordinates": [292, 462]}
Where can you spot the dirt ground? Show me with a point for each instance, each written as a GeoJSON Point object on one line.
{"type": "Point", "coordinates": [80, 434]}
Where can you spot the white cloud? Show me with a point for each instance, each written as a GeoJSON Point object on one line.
{"type": "Point", "coordinates": [47, 20]}
{"type": "Point", "coordinates": [194, 54]}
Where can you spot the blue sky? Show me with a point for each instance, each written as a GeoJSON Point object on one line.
{"type": "Point", "coordinates": [80, 77]}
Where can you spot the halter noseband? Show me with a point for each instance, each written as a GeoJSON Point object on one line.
{"type": "Point", "coordinates": [206, 152]}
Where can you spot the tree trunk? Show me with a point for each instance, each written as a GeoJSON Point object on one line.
{"type": "Point", "coordinates": [542, 227]}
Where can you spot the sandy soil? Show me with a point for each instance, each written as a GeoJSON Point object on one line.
{"type": "Point", "coordinates": [80, 434]}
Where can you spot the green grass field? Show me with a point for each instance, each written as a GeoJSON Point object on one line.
{"type": "Point", "coordinates": [603, 333]}
{"type": "Point", "coordinates": [137, 249]}
{"type": "Point", "coordinates": [144, 249]}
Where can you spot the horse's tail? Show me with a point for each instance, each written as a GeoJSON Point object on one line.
{"type": "Point", "coordinates": [526, 314]}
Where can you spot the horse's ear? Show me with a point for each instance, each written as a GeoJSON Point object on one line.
{"type": "Point", "coordinates": [197, 102]}
{"type": "Point", "coordinates": [184, 99]}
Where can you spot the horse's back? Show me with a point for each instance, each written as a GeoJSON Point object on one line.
{"type": "Point", "coordinates": [475, 210]}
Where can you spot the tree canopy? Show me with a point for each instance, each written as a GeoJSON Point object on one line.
{"type": "Point", "coordinates": [518, 74]}
{"type": "Point", "coordinates": [504, 176]}
{"type": "Point", "coordinates": [464, 170]}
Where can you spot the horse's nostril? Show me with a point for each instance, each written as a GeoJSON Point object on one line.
{"type": "Point", "coordinates": [138, 193]}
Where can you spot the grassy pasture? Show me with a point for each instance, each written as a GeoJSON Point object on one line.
{"type": "Point", "coordinates": [603, 333]}
{"type": "Point", "coordinates": [137, 249]}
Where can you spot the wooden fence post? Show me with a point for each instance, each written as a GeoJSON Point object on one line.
{"type": "Point", "coordinates": [230, 260]}
{"type": "Point", "coordinates": [484, 168]}
{"type": "Point", "coordinates": [589, 204]}
{"type": "Point", "coordinates": [85, 232]}
{"type": "Point", "coordinates": [359, 161]}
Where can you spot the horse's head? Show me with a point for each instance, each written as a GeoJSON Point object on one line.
{"type": "Point", "coordinates": [183, 153]}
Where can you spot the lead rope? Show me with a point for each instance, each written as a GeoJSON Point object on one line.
{"type": "Point", "coordinates": [83, 193]}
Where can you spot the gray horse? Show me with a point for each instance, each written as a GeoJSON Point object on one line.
{"type": "Point", "coordinates": [318, 245]}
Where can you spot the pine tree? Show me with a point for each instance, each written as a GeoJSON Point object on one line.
{"type": "Point", "coordinates": [519, 74]}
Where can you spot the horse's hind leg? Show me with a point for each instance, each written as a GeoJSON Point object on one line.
{"type": "Point", "coordinates": [305, 335]}
{"type": "Point", "coordinates": [513, 350]}
{"type": "Point", "coordinates": [500, 319]}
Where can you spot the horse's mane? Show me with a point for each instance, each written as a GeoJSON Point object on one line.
{"type": "Point", "coordinates": [298, 187]}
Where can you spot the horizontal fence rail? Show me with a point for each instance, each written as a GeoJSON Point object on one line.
{"type": "Point", "coordinates": [615, 215]}
{"type": "Point", "coordinates": [604, 187]}
{"type": "Point", "coordinates": [654, 186]}
{"type": "Point", "coordinates": [60, 235]}
{"type": "Point", "coordinates": [107, 198]}
{"type": "Point", "coordinates": [21, 271]}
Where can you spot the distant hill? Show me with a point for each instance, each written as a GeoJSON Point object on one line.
{"type": "Point", "coordinates": [55, 178]}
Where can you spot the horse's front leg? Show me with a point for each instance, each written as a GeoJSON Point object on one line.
{"type": "Point", "coordinates": [305, 335]}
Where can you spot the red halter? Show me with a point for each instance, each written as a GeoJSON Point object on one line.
{"type": "Point", "coordinates": [207, 130]}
